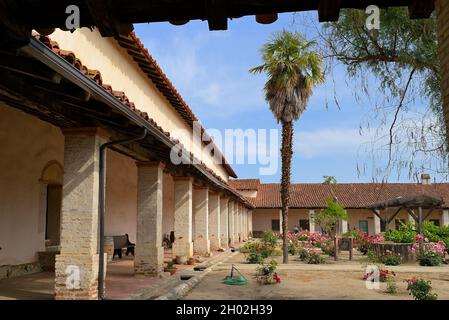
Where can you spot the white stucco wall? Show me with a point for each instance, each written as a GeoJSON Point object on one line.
{"type": "Point", "coordinates": [26, 146]}
{"type": "Point", "coordinates": [262, 218]}
{"type": "Point", "coordinates": [121, 195]}
{"type": "Point", "coordinates": [120, 71]}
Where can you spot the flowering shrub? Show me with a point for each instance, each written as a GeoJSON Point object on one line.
{"type": "Point", "coordinates": [392, 288]}
{"type": "Point", "coordinates": [365, 241]}
{"type": "Point", "coordinates": [428, 254]}
{"type": "Point", "coordinates": [420, 289]}
{"type": "Point", "coordinates": [383, 275]}
{"type": "Point", "coordinates": [311, 256]}
{"type": "Point", "coordinates": [389, 258]}
{"type": "Point", "coordinates": [257, 251]}
{"type": "Point", "coordinates": [266, 273]}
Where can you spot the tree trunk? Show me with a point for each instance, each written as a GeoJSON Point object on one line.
{"type": "Point", "coordinates": [286, 153]}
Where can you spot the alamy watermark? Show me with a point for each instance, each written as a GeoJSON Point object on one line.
{"type": "Point", "coordinates": [259, 147]}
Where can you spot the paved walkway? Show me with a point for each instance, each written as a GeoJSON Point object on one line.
{"type": "Point", "coordinates": [120, 281]}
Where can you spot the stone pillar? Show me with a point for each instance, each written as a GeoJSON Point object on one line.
{"type": "Point", "coordinates": [245, 223]}
{"type": "Point", "coordinates": [311, 221]}
{"type": "Point", "coordinates": [149, 254]}
{"type": "Point", "coordinates": [442, 10]}
{"type": "Point", "coordinates": [231, 224]}
{"type": "Point", "coordinates": [377, 227]}
{"type": "Point", "coordinates": [224, 222]}
{"type": "Point", "coordinates": [445, 218]}
{"type": "Point", "coordinates": [250, 223]}
{"type": "Point", "coordinates": [76, 269]}
{"type": "Point", "coordinates": [183, 202]}
{"type": "Point", "coordinates": [201, 242]}
{"type": "Point", "coordinates": [236, 222]}
{"type": "Point", "coordinates": [280, 221]}
{"type": "Point", "coordinates": [214, 221]}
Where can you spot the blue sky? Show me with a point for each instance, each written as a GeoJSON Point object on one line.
{"type": "Point", "coordinates": [210, 70]}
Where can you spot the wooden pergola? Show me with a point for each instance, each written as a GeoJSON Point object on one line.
{"type": "Point", "coordinates": [115, 17]}
{"type": "Point", "coordinates": [413, 205]}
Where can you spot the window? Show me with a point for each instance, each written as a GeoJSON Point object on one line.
{"type": "Point", "coordinates": [383, 225]}
{"type": "Point", "coordinates": [435, 222]}
{"type": "Point", "coordinates": [304, 224]}
{"type": "Point", "coordinates": [275, 226]}
{"type": "Point", "coordinates": [398, 223]}
{"type": "Point", "coordinates": [363, 226]}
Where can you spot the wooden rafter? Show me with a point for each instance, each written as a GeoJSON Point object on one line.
{"type": "Point", "coordinates": [328, 10]}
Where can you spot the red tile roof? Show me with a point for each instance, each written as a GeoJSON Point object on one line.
{"type": "Point", "coordinates": [95, 75]}
{"type": "Point", "coordinates": [349, 195]}
{"type": "Point", "coordinates": [245, 184]}
{"type": "Point", "coordinates": [149, 66]}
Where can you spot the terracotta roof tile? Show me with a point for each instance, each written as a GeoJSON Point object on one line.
{"type": "Point", "coordinates": [245, 184]}
{"type": "Point", "coordinates": [95, 75]}
{"type": "Point", "coordinates": [349, 195]}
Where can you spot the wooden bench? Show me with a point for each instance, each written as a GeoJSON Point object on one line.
{"type": "Point", "coordinates": [122, 242]}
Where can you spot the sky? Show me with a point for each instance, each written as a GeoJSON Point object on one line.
{"type": "Point", "coordinates": [210, 70]}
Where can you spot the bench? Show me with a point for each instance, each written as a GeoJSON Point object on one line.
{"type": "Point", "coordinates": [122, 242]}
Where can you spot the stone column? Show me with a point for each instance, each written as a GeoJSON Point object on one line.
{"type": "Point", "coordinates": [236, 222]}
{"type": "Point", "coordinates": [343, 226]}
{"type": "Point", "coordinates": [224, 222]}
{"type": "Point", "coordinates": [231, 224]}
{"type": "Point", "coordinates": [214, 221]}
{"type": "Point", "coordinates": [201, 242]}
{"type": "Point", "coordinates": [312, 221]}
{"type": "Point", "coordinates": [149, 254]}
{"type": "Point", "coordinates": [445, 218]}
{"type": "Point", "coordinates": [183, 202]}
{"type": "Point", "coordinates": [76, 269]}
{"type": "Point", "coordinates": [245, 223]}
{"type": "Point", "coordinates": [251, 217]}
{"type": "Point", "coordinates": [280, 221]}
{"type": "Point", "coordinates": [377, 228]}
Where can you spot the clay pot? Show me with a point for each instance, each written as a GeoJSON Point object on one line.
{"type": "Point", "coordinates": [191, 262]}
{"type": "Point", "coordinates": [181, 259]}
{"type": "Point", "coordinates": [172, 270]}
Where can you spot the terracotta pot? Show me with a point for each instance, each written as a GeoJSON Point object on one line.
{"type": "Point", "coordinates": [191, 262]}
{"type": "Point", "coordinates": [181, 259]}
{"type": "Point", "coordinates": [172, 270]}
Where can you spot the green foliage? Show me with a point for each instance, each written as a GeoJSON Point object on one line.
{"type": "Point", "coordinates": [314, 258]}
{"type": "Point", "coordinates": [329, 180]}
{"type": "Point", "coordinates": [270, 238]}
{"type": "Point", "coordinates": [258, 250]}
{"type": "Point", "coordinates": [421, 289]}
{"type": "Point", "coordinates": [391, 259]}
{"type": "Point", "coordinates": [402, 49]}
{"type": "Point", "coordinates": [392, 287]}
{"type": "Point", "coordinates": [293, 69]}
{"type": "Point", "coordinates": [329, 217]}
{"type": "Point", "coordinates": [429, 258]}
{"type": "Point", "coordinates": [266, 273]}
{"type": "Point", "coordinates": [292, 249]}
{"type": "Point", "coordinates": [405, 234]}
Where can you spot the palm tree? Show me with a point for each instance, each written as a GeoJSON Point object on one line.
{"type": "Point", "coordinates": [293, 71]}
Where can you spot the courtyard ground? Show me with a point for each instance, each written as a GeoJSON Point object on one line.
{"type": "Point", "coordinates": [333, 280]}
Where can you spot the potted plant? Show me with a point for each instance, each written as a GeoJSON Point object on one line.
{"type": "Point", "coordinates": [191, 261]}
{"type": "Point", "coordinates": [170, 268]}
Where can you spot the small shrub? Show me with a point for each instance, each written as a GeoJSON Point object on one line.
{"type": "Point", "coordinates": [404, 234]}
{"type": "Point", "coordinates": [428, 254]}
{"type": "Point", "coordinates": [420, 289]}
{"type": "Point", "coordinates": [315, 258]}
{"type": "Point", "coordinates": [392, 287]}
{"type": "Point", "coordinates": [429, 259]}
{"type": "Point", "coordinates": [266, 273]}
{"type": "Point", "coordinates": [254, 257]}
{"type": "Point", "coordinates": [391, 259]}
{"type": "Point", "coordinates": [292, 249]}
{"type": "Point", "coordinates": [270, 238]}
{"type": "Point", "coordinates": [383, 275]}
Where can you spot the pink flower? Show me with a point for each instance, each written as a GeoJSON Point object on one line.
{"type": "Point", "coordinates": [419, 237]}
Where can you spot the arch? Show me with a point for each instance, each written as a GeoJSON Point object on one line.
{"type": "Point", "coordinates": [53, 173]}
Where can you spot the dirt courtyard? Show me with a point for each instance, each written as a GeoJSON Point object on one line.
{"type": "Point", "coordinates": [313, 282]}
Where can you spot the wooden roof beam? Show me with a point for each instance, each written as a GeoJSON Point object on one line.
{"type": "Point", "coordinates": [328, 10]}
{"type": "Point", "coordinates": [106, 20]}
{"type": "Point", "coordinates": [419, 9]}
{"type": "Point", "coordinates": [217, 15]}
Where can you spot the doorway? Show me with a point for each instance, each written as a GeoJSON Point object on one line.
{"type": "Point", "coordinates": [53, 215]}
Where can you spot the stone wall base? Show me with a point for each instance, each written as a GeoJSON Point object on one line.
{"type": "Point", "coordinates": [76, 277]}
{"type": "Point", "coordinates": [151, 265]}
{"type": "Point", "coordinates": [182, 248]}
{"type": "Point", "coordinates": [12, 271]}
{"type": "Point", "coordinates": [201, 246]}
{"type": "Point", "coordinates": [215, 242]}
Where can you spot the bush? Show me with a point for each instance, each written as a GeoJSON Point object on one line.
{"type": "Point", "coordinates": [420, 289]}
{"type": "Point", "coordinates": [254, 257]}
{"type": "Point", "coordinates": [392, 288]}
{"type": "Point", "coordinates": [391, 259]}
{"type": "Point", "coordinates": [428, 254]}
{"type": "Point", "coordinates": [429, 259]}
{"type": "Point", "coordinates": [292, 249]}
{"type": "Point", "coordinates": [311, 256]}
{"type": "Point", "coordinates": [270, 238]}
{"type": "Point", "coordinates": [266, 273]}
{"type": "Point", "coordinates": [405, 234]}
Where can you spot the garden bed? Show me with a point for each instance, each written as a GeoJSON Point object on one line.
{"type": "Point", "coordinates": [398, 248]}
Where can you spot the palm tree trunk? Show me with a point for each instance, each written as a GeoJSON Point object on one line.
{"type": "Point", "coordinates": [286, 153]}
